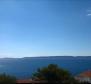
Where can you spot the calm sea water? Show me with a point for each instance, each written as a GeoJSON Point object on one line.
{"type": "Point", "coordinates": [24, 67]}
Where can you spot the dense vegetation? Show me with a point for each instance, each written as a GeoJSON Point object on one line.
{"type": "Point", "coordinates": [4, 79]}
{"type": "Point", "coordinates": [54, 74]}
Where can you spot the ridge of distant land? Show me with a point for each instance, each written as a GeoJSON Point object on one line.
{"type": "Point", "coordinates": [51, 57]}
{"type": "Point", "coordinates": [48, 57]}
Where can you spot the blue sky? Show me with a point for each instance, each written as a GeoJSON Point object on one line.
{"type": "Point", "coordinates": [45, 28]}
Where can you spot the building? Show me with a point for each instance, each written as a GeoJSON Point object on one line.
{"type": "Point", "coordinates": [24, 81]}
{"type": "Point", "coordinates": [84, 77]}
{"type": "Point", "coordinates": [30, 81]}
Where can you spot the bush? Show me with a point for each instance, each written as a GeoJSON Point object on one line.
{"type": "Point", "coordinates": [54, 74]}
{"type": "Point", "coordinates": [4, 79]}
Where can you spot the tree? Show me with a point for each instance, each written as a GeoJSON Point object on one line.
{"type": "Point", "coordinates": [53, 74]}
{"type": "Point", "coordinates": [6, 79]}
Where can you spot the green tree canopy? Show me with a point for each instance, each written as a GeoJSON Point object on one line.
{"type": "Point", "coordinates": [53, 73]}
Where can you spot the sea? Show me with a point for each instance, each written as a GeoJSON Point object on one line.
{"type": "Point", "coordinates": [23, 68]}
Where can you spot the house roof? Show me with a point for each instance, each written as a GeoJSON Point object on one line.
{"type": "Point", "coordinates": [29, 81]}
{"type": "Point", "coordinates": [85, 74]}
{"type": "Point", "coordinates": [24, 81]}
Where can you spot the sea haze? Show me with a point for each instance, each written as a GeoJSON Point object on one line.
{"type": "Point", "coordinates": [24, 67]}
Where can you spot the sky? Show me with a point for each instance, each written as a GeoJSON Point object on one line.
{"type": "Point", "coordinates": [31, 28]}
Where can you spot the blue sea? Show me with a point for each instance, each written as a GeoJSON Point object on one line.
{"type": "Point", "coordinates": [24, 67]}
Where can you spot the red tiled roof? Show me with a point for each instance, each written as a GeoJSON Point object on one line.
{"type": "Point", "coordinates": [24, 81]}
{"type": "Point", "coordinates": [85, 74]}
{"type": "Point", "coordinates": [29, 81]}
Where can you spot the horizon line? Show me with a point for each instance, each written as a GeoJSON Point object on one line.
{"type": "Point", "coordinates": [42, 56]}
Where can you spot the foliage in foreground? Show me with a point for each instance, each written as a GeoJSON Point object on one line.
{"type": "Point", "coordinates": [54, 74]}
{"type": "Point", "coordinates": [4, 79]}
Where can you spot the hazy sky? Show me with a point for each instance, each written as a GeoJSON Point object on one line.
{"type": "Point", "coordinates": [45, 27]}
